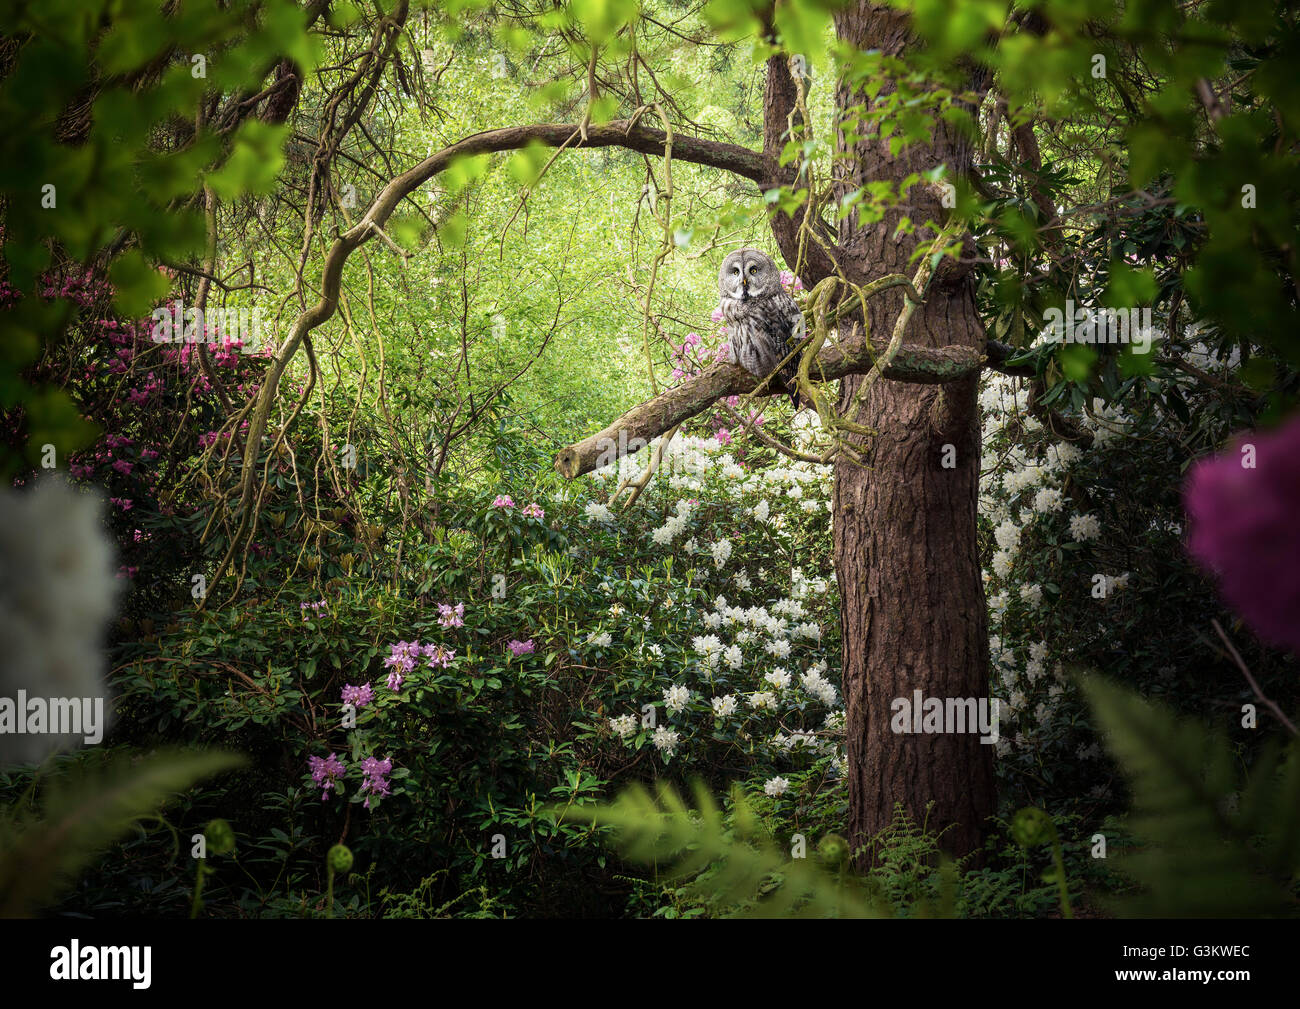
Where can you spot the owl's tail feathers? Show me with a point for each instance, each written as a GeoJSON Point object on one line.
{"type": "Point", "coordinates": [790, 377]}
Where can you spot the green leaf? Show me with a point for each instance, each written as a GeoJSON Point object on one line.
{"type": "Point", "coordinates": [1077, 360]}
{"type": "Point", "coordinates": [137, 285]}
{"type": "Point", "coordinates": [464, 170]}
{"type": "Point", "coordinates": [254, 163]}
{"type": "Point", "coordinates": [1129, 287]}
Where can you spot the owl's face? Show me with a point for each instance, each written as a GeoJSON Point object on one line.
{"type": "Point", "coordinates": [748, 273]}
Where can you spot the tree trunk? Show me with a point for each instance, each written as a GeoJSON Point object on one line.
{"type": "Point", "coordinates": [906, 558]}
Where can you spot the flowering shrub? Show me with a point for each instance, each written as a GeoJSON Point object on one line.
{"type": "Point", "coordinates": [1087, 571]}
{"type": "Point", "coordinates": [740, 669]}
{"type": "Point", "coordinates": [155, 407]}
{"type": "Point", "coordinates": [581, 646]}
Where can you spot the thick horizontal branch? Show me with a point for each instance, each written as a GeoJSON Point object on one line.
{"type": "Point", "coordinates": [730, 157]}
{"type": "Point", "coordinates": [635, 429]}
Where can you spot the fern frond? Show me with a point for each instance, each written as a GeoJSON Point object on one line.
{"type": "Point", "coordinates": [85, 808]}
{"type": "Point", "coordinates": [739, 870]}
{"type": "Point", "coordinates": [1201, 859]}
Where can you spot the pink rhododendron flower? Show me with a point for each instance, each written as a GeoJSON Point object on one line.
{"type": "Point", "coordinates": [519, 648]}
{"type": "Point", "coordinates": [325, 771]}
{"type": "Point", "coordinates": [401, 658]}
{"type": "Point", "coordinates": [452, 616]}
{"type": "Point", "coordinates": [534, 511]}
{"type": "Point", "coordinates": [440, 656]}
{"type": "Point", "coordinates": [1243, 529]}
{"type": "Point", "coordinates": [503, 501]}
{"type": "Point", "coordinates": [375, 773]}
{"type": "Point", "coordinates": [358, 696]}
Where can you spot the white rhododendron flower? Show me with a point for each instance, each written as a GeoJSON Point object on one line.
{"type": "Point", "coordinates": [676, 698]}
{"type": "Point", "coordinates": [1085, 527]}
{"type": "Point", "coordinates": [779, 648]}
{"type": "Point", "coordinates": [624, 725]}
{"type": "Point", "coordinates": [1049, 499]}
{"type": "Point", "coordinates": [599, 513]}
{"type": "Point", "coordinates": [665, 739]}
{"type": "Point", "coordinates": [1008, 536]}
{"type": "Point", "coordinates": [779, 678]}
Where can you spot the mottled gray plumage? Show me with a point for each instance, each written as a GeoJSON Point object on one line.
{"type": "Point", "coordinates": [761, 316]}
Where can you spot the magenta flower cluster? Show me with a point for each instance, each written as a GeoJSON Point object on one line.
{"type": "Point", "coordinates": [441, 656]}
{"type": "Point", "coordinates": [375, 777]}
{"type": "Point", "coordinates": [503, 501]}
{"type": "Point", "coordinates": [358, 697]}
{"type": "Point", "coordinates": [404, 655]}
{"type": "Point", "coordinates": [325, 771]}
{"type": "Point", "coordinates": [1243, 510]}
{"type": "Point", "coordinates": [518, 648]}
{"type": "Point", "coordinates": [684, 357]}
{"type": "Point", "coordinates": [451, 616]}
{"type": "Point", "coordinates": [310, 610]}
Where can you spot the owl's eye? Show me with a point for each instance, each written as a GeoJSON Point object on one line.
{"type": "Point", "coordinates": [735, 269]}
{"type": "Point", "coordinates": [753, 269]}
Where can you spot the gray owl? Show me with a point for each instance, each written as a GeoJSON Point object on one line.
{"type": "Point", "coordinates": [761, 316]}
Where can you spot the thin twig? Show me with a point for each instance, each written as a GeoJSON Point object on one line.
{"type": "Point", "coordinates": [1271, 705]}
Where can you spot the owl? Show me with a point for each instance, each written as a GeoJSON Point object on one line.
{"type": "Point", "coordinates": [761, 316]}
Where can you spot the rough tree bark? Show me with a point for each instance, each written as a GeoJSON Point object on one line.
{"type": "Point", "coordinates": [906, 555]}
